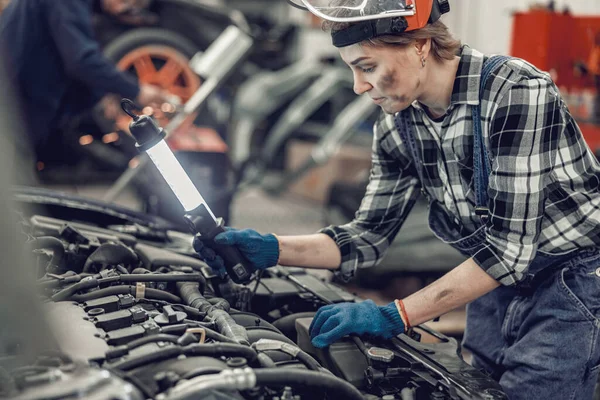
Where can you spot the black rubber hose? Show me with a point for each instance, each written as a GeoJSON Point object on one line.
{"type": "Point", "coordinates": [69, 291]}
{"type": "Point", "coordinates": [221, 304]}
{"type": "Point", "coordinates": [211, 350]}
{"type": "Point", "coordinates": [308, 361]}
{"type": "Point", "coordinates": [120, 351]}
{"type": "Point", "coordinates": [148, 358]}
{"type": "Point", "coordinates": [149, 293]}
{"type": "Point", "coordinates": [161, 278]}
{"type": "Point", "coordinates": [161, 337]}
{"type": "Point", "coordinates": [338, 388]}
{"type": "Point", "coordinates": [51, 243]}
{"type": "Point", "coordinates": [175, 329]}
{"type": "Point", "coordinates": [152, 278]}
{"type": "Point", "coordinates": [190, 311]}
{"type": "Point", "coordinates": [211, 334]}
{"type": "Point", "coordinates": [265, 361]}
{"type": "Point", "coordinates": [140, 270]}
{"type": "Point", "coordinates": [121, 269]}
{"type": "Point", "coordinates": [190, 293]}
{"type": "Point", "coordinates": [54, 283]}
{"type": "Point", "coordinates": [222, 350]}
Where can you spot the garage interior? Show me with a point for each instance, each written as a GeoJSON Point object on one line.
{"type": "Point", "coordinates": [280, 144]}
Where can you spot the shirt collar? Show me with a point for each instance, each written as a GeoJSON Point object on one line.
{"type": "Point", "coordinates": [468, 76]}
{"type": "Point", "coordinates": [466, 82]}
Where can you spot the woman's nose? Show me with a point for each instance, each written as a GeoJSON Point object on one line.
{"type": "Point", "coordinates": [361, 86]}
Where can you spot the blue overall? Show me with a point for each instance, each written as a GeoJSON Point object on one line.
{"type": "Point", "coordinates": [539, 339]}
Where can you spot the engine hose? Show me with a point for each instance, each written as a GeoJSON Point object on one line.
{"type": "Point", "coordinates": [222, 349]}
{"type": "Point", "coordinates": [148, 293]}
{"type": "Point", "coordinates": [211, 334]}
{"type": "Point", "coordinates": [148, 358]}
{"type": "Point", "coordinates": [248, 378]}
{"type": "Point", "coordinates": [140, 270]}
{"type": "Point", "coordinates": [120, 351]}
{"type": "Point", "coordinates": [266, 361]}
{"type": "Point", "coordinates": [337, 387]}
{"type": "Point", "coordinates": [178, 329]}
{"type": "Point", "coordinates": [308, 361]}
{"type": "Point", "coordinates": [190, 311]}
{"type": "Point", "coordinates": [90, 283]}
{"type": "Point", "coordinates": [228, 327]}
{"type": "Point", "coordinates": [53, 283]}
{"type": "Point", "coordinates": [69, 291]}
{"type": "Point", "coordinates": [191, 296]}
{"type": "Point", "coordinates": [292, 350]}
{"type": "Point", "coordinates": [51, 243]}
{"type": "Point", "coordinates": [154, 278]}
{"type": "Point", "coordinates": [211, 350]}
{"type": "Point", "coordinates": [220, 303]}
{"type": "Point", "coordinates": [151, 339]}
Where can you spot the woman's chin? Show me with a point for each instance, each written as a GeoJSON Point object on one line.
{"type": "Point", "coordinates": [394, 107]}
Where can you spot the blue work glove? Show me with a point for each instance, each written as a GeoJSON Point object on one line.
{"type": "Point", "coordinates": [335, 321]}
{"type": "Point", "coordinates": [262, 251]}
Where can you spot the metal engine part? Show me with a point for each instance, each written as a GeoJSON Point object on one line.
{"type": "Point", "coordinates": [139, 316]}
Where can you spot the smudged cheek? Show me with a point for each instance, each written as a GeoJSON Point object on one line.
{"type": "Point", "coordinates": [387, 81]}
{"type": "Point", "coordinates": [388, 86]}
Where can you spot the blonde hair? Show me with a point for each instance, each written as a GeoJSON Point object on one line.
{"type": "Point", "coordinates": [443, 45]}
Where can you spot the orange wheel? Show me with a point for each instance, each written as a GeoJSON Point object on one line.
{"type": "Point", "coordinates": [158, 57]}
{"type": "Point", "coordinates": [164, 67]}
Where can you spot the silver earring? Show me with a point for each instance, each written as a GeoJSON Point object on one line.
{"type": "Point", "coordinates": [423, 61]}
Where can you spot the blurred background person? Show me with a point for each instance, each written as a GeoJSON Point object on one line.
{"type": "Point", "coordinates": [57, 66]}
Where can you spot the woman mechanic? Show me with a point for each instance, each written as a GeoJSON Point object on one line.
{"type": "Point", "coordinates": [510, 181]}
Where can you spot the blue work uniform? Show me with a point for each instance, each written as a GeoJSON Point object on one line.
{"type": "Point", "coordinates": [55, 63]}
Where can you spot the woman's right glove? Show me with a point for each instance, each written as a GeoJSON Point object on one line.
{"type": "Point", "coordinates": [335, 321]}
{"type": "Point", "coordinates": [262, 251]}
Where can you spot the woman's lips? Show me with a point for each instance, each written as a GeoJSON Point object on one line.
{"type": "Point", "coordinates": [378, 100]}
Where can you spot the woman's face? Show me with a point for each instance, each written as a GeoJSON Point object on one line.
{"type": "Point", "coordinates": [391, 75]}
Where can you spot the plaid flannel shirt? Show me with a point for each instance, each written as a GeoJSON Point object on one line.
{"type": "Point", "coordinates": [543, 186]}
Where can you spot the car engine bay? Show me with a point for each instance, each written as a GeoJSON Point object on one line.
{"type": "Point", "coordinates": [141, 316]}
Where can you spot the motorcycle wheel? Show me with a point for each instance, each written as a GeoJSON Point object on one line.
{"type": "Point", "coordinates": [158, 57]}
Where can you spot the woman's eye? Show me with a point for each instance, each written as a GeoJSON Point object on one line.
{"type": "Point", "coordinates": [368, 70]}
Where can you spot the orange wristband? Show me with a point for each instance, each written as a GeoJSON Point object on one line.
{"type": "Point", "coordinates": [403, 314]}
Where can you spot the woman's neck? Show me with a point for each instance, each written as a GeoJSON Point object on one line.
{"type": "Point", "coordinates": [438, 87]}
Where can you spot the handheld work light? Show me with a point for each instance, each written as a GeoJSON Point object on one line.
{"type": "Point", "coordinates": [149, 137]}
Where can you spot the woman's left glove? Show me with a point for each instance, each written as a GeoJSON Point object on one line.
{"type": "Point", "coordinates": [335, 321]}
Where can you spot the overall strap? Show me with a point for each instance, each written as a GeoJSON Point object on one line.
{"type": "Point", "coordinates": [481, 161]}
{"type": "Point", "coordinates": [407, 133]}
{"type": "Point", "coordinates": [481, 167]}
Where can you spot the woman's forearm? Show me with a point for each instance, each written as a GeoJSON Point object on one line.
{"type": "Point", "coordinates": [457, 288]}
{"type": "Point", "coordinates": [310, 251]}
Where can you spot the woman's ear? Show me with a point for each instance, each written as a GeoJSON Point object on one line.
{"type": "Point", "coordinates": [422, 46]}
